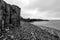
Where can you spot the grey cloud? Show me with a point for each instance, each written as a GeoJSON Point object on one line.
{"type": "Point", "coordinates": [52, 5]}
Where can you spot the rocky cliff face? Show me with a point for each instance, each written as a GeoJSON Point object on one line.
{"type": "Point", "coordinates": [10, 14]}
{"type": "Point", "coordinates": [19, 30]}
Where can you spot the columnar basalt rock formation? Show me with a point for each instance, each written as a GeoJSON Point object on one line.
{"type": "Point", "coordinates": [9, 14]}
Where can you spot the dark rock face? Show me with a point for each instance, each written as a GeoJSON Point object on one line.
{"type": "Point", "coordinates": [10, 14]}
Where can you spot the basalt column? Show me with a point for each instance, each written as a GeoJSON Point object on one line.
{"type": "Point", "coordinates": [10, 14]}
{"type": "Point", "coordinates": [15, 15]}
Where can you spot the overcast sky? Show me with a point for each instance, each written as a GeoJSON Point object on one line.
{"type": "Point", "coordinates": [45, 9]}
